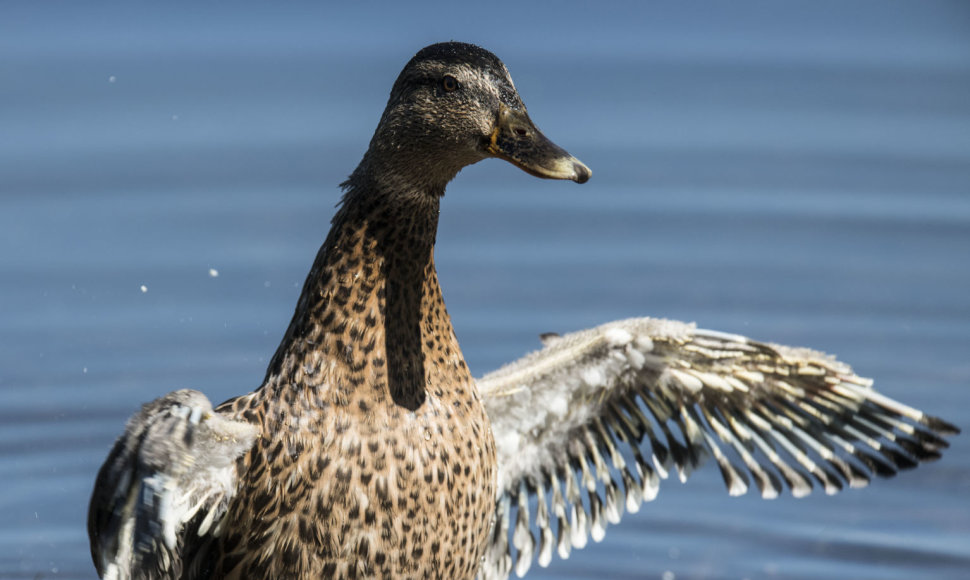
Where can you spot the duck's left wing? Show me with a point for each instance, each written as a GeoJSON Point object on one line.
{"type": "Point", "coordinates": [589, 425]}
{"type": "Point", "coordinates": [174, 464]}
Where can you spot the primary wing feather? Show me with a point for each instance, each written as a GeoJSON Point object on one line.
{"type": "Point", "coordinates": [590, 424]}
{"type": "Point", "coordinates": [174, 466]}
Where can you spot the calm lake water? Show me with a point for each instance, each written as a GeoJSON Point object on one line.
{"type": "Point", "coordinates": [799, 174]}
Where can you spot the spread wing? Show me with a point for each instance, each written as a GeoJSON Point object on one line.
{"type": "Point", "coordinates": [175, 465]}
{"type": "Point", "coordinates": [589, 425]}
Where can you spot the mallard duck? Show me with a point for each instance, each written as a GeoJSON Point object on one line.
{"type": "Point", "coordinates": [369, 450]}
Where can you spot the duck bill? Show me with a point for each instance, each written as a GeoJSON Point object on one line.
{"type": "Point", "coordinates": [517, 140]}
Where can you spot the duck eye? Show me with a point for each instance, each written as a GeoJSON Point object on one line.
{"type": "Point", "coordinates": [449, 83]}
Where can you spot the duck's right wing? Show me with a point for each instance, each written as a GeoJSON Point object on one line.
{"type": "Point", "coordinates": [174, 464]}
{"type": "Point", "coordinates": [614, 409]}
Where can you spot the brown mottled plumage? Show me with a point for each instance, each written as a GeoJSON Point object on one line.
{"type": "Point", "coordinates": [374, 456]}
{"type": "Point", "coordinates": [368, 405]}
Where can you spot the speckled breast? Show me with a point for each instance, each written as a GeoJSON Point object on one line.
{"type": "Point", "coordinates": [406, 494]}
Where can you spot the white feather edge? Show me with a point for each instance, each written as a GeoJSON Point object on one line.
{"type": "Point", "coordinates": [202, 477]}
{"type": "Point", "coordinates": [538, 394]}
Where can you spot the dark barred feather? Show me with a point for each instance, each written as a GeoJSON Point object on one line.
{"type": "Point", "coordinates": [569, 418]}
{"type": "Point", "coordinates": [174, 464]}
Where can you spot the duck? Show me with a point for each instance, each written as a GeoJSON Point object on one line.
{"type": "Point", "coordinates": [370, 450]}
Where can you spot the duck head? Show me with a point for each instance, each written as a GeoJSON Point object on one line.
{"type": "Point", "coordinates": [454, 104]}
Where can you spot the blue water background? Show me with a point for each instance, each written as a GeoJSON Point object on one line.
{"type": "Point", "coordinates": [793, 171]}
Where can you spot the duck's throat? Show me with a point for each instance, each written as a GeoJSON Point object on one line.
{"type": "Point", "coordinates": [371, 315]}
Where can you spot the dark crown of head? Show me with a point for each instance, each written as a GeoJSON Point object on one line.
{"type": "Point", "coordinates": [458, 52]}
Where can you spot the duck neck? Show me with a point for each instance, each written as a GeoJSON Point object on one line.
{"type": "Point", "coordinates": [371, 315]}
